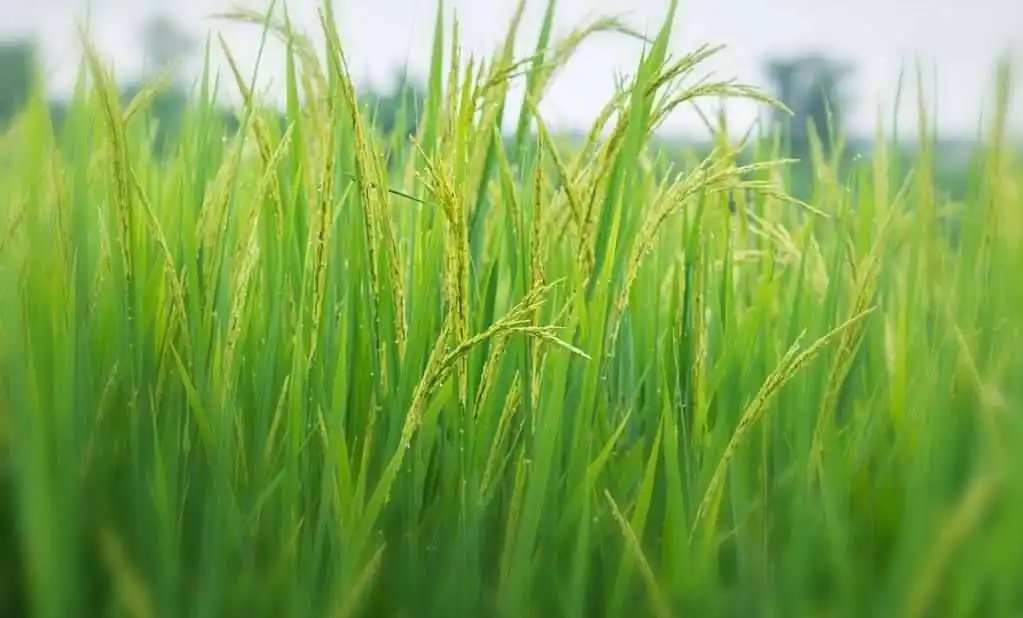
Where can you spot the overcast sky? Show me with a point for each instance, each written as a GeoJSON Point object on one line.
{"type": "Point", "coordinates": [957, 40]}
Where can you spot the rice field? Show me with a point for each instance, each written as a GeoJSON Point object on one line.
{"type": "Point", "coordinates": [307, 369]}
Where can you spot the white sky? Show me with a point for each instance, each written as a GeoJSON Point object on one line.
{"type": "Point", "coordinates": [957, 40]}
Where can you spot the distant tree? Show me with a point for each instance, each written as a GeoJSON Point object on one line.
{"type": "Point", "coordinates": [402, 104]}
{"type": "Point", "coordinates": [164, 44]}
{"type": "Point", "coordinates": [810, 85]}
{"type": "Point", "coordinates": [17, 70]}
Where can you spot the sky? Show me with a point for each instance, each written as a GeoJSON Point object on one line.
{"type": "Point", "coordinates": [956, 42]}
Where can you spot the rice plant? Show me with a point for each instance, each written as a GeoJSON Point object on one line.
{"type": "Point", "coordinates": [309, 369]}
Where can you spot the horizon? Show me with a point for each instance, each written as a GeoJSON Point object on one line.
{"type": "Point", "coordinates": [958, 100]}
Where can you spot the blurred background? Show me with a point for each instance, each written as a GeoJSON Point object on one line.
{"type": "Point", "coordinates": [806, 52]}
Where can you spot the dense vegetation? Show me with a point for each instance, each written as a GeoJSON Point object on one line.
{"type": "Point", "coordinates": [309, 369]}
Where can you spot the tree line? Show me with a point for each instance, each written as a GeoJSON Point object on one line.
{"type": "Point", "coordinates": [812, 86]}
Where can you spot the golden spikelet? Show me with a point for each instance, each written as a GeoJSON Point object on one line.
{"type": "Point", "coordinates": [789, 366]}
{"type": "Point", "coordinates": [658, 603]}
{"type": "Point", "coordinates": [511, 404]}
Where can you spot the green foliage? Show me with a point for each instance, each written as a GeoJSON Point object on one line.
{"type": "Point", "coordinates": [313, 370]}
